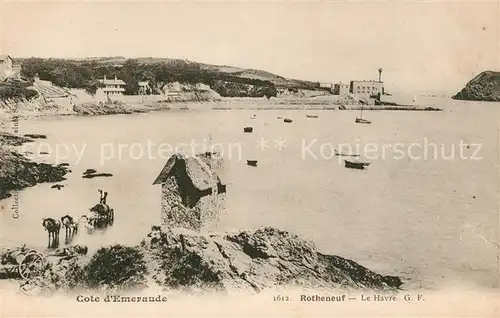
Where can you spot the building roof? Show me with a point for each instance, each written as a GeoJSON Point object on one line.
{"type": "Point", "coordinates": [214, 160]}
{"type": "Point", "coordinates": [368, 81]}
{"type": "Point", "coordinates": [173, 86]}
{"type": "Point", "coordinates": [196, 168]}
{"type": "Point", "coordinates": [49, 90]}
{"type": "Point", "coordinates": [3, 57]}
{"type": "Point", "coordinates": [114, 81]}
{"type": "Point", "coordinates": [202, 87]}
{"type": "Point", "coordinates": [197, 171]}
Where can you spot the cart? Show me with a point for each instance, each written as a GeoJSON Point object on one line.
{"type": "Point", "coordinates": [99, 220]}
{"type": "Point", "coordinates": [23, 262]}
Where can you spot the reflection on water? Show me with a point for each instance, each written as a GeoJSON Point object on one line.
{"type": "Point", "coordinates": [400, 216]}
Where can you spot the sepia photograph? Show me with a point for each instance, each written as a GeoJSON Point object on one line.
{"type": "Point", "coordinates": [257, 159]}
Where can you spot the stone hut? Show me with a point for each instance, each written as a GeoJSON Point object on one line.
{"type": "Point", "coordinates": [193, 190]}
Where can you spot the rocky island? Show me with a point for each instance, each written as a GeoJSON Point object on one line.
{"type": "Point", "coordinates": [484, 87]}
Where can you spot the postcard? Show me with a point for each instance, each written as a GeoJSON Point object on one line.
{"type": "Point", "coordinates": [249, 159]}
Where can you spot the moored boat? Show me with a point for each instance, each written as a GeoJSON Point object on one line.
{"type": "Point", "coordinates": [287, 120]}
{"type": "Point", "coordinates": [248, 129]}
{"type": "Point", "coordinates": [362, 121]}
{"type": "Point", "coordinates": [344, 154]}
{"type": "Point", "coordinates": [252, 163]}
{"type": "Point", "coordinates": [356, 164]}
{"type": "Point", "coordinates": [311, 116]}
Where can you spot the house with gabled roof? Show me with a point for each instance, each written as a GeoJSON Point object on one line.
{"type": "Point", "coordinates": [193, 190]}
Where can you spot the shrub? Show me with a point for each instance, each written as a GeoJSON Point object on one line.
{"type": "Point", "coordinates": [117, 267]}
{"type": "Point", "coordinates": [186, 269]}
{"type": "Point", "coordinates": [16, 89]}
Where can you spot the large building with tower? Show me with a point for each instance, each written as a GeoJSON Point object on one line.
{"type": "Point", "coordinates": [370, 88]}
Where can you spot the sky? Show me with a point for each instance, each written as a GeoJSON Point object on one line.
{"type": "Point", "coordinates": [421, 46]}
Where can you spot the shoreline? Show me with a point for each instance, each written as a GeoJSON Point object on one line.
{"type": "Point", "coordinates": [236, 104]}
{"type": "Point", "coordinates": [335, 108]}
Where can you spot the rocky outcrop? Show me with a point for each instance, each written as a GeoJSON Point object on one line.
{"type": "Point", "coordinates": [251, 261]}
{"type": "Point", "coordinates": [186, 261]}
{"type": "Point", "coordinates": [18, 172]}
{"type": "Point", "coordinates": [8, 139]}
{"type": "Point", "coordinates": [484, 87]}
{"type": "Point", "coordinates": [185, 92]}
{"type": "Point", "coordinates": [24, 105]}
{"type": "Point", "coordinates": [108, 108]}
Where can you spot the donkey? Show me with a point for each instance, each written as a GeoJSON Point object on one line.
{"type": "Point", "coordinates": [53, 227]}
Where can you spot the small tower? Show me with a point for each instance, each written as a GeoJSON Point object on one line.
{"type": "Point", "coordinates": [379, 95]}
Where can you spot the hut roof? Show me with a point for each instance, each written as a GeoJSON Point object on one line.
{"type": "Point", "coordinates": [215, 161]}
{"type": "Point", "coordinates": [198, 172]}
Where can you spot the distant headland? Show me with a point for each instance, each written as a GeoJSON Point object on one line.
{"type": "Point", "coordinates": [483, 87]}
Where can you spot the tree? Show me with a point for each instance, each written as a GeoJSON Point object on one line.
{"type": "Point", "coordinates": [132, 87]}
{"type": "Point", "coordinates": [92, 86]}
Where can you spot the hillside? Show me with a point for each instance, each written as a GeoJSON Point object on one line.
{"type": "Point", "coordinates": [484, 87]}
{"type": "Point", "coordinates": [277, 80]}
{"type": "Point", "coordinates": [186, 66]}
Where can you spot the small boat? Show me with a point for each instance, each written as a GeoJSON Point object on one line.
{"type": "Point", "coordinates": [252, 163]}
{"type": "Point", "coordinates": [311, 116]}
{"type": "Point", "coordinates": [362, 121]}
{"type": "Point", "coordinates": [355, 164]}
{"type": "Point", "coordinates": [248, 129]}
{"type": "Point", "coordinates": [343, 154]}
{"type": "Point", "coordinates": [280, 117]}
{"type": "Point", "coordinates": [253, 117]}
{"type": "Point", "coordinates": [184, 108]}
{"type": "Point", "coordinates": [287, 120]}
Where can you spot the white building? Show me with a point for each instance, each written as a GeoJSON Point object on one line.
{"type": "Point", "coordinates": [143, 87]}
{"type": "Point", "coordinates": [341, 89]}
{"type": "Point", "coordinates": [5, 67]}
{"type": "Point", "coordinates": [113, 86]}
{"type": "Point", "coordinates": [370, 88]}
{"type": "Point", "coordinates": [172, 89]}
